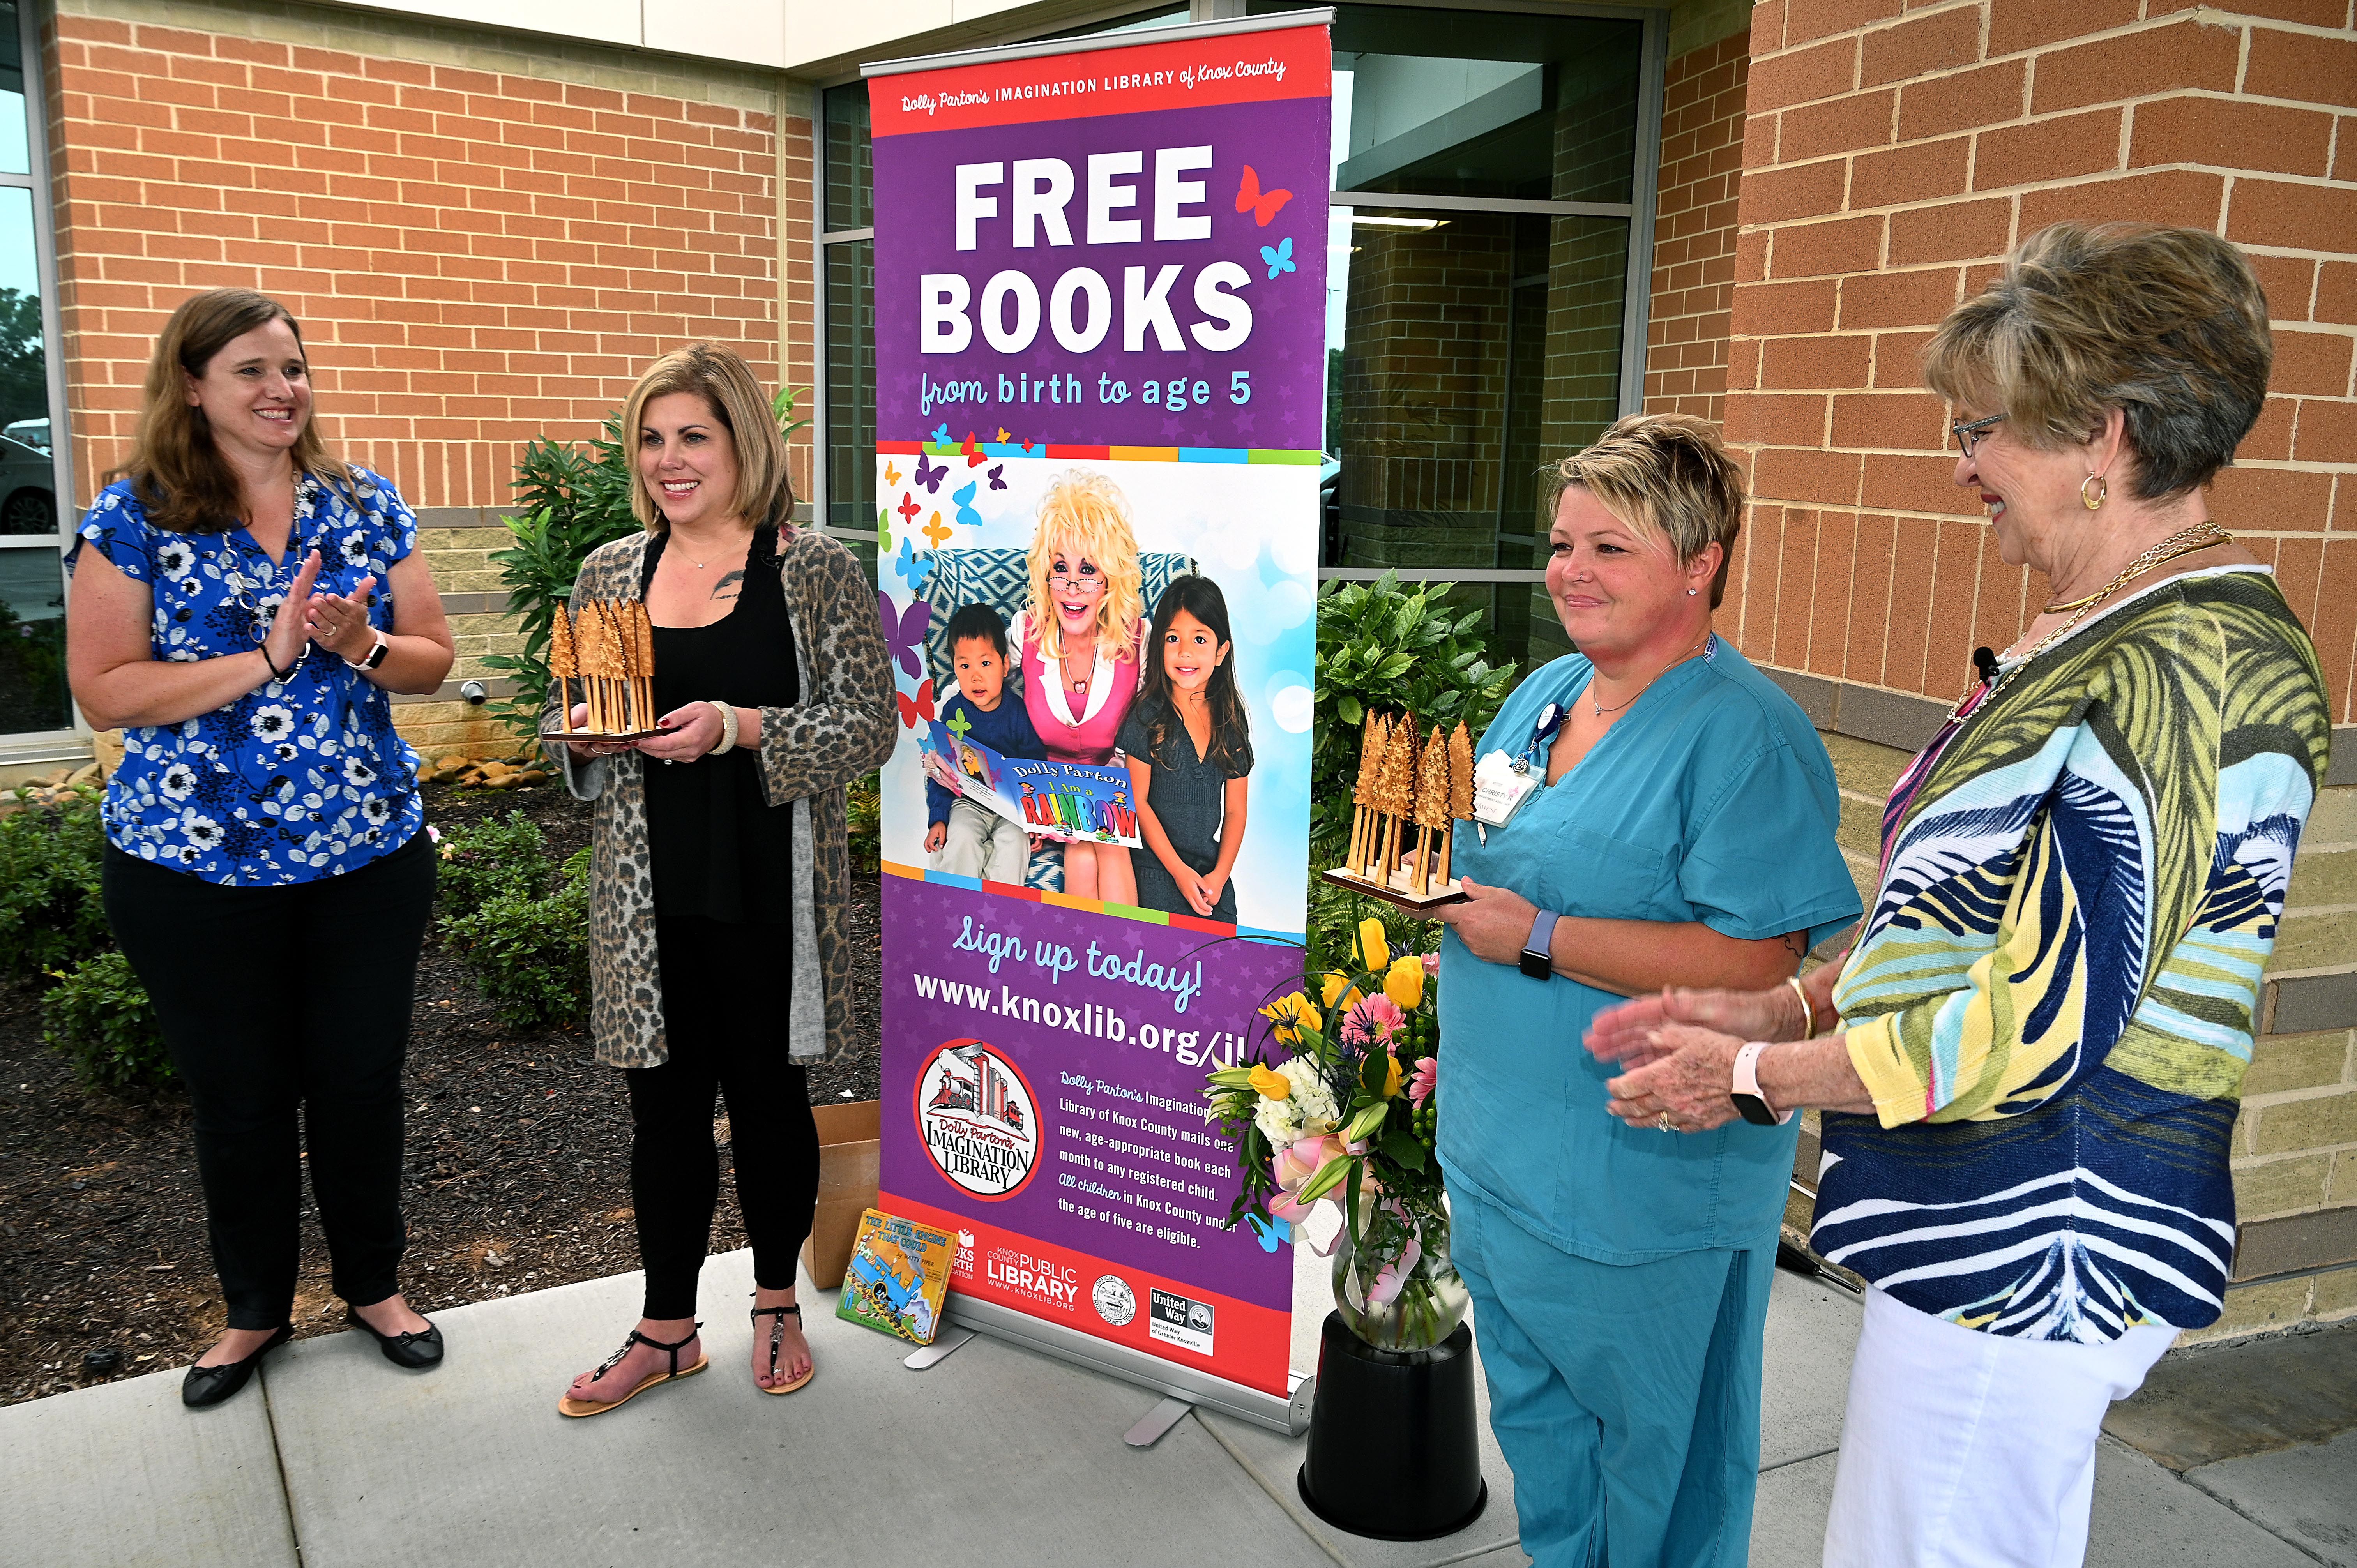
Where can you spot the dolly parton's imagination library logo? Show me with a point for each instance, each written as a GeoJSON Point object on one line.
{"type": "Point", "coordinates": [978, 1118]}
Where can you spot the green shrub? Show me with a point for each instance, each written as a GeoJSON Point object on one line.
{"type": "Point", "coordinates": [530, 957]}
{"type": "Point", "coordinates": [492, 859]}
{"type": "Point", "coordinates": [864, 813]}
{"type": "Point", "coordinates": [99, 1017]}
{"type": "Point", "coordinates": [52, 916]}
{"type": "Point", "coordinates": [1381, 646]}
{"type": "Point", "coordinates": [1334, 915]}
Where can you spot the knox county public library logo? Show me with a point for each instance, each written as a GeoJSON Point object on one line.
{"type": "Point", "coordinates": [978, 1118]}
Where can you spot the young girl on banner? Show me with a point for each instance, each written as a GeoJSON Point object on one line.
{"type": "Point", "coordinates": [1080, 640]}
{"type": "Point", "coordinates": [1189, 745]}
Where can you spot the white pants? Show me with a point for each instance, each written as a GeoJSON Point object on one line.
{"type": "Point", "coordinates": [981, 843]}
{"type": "Point", "coordinates": [1968, 1450]}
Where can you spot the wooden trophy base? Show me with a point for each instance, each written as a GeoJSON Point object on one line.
{"type": "Point", "coordinates": [1400, 897]}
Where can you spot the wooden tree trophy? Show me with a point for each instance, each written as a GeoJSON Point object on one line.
{"type": "Point", "coordinates": [1408, 800]}
{"type": "Point", "coordinates": [609, 648]}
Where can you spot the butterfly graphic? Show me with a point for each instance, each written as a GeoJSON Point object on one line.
{"type": "Point", "coordinates": [973, 458]}
{"type": "Point", "coordinates": [1270, 1231]}
{"type": "Point", "coordinates": [908, 508]}
{"type": "Point", "coordinates": [1279, 260]}
{"type": "Point", "coordinates": [891, 476]}
{"type": "Point", "coordinates": [931, 475]}
{"type": "Point", "coordinates": [959, 724]}
{"type": "Point", "coordinates": [966, 516]}
{"type": "Point", "coordinates": [936, 534]}
{"type": "Point", "coordinates": [1028, 445]}
{"type": "Point", "coordinates": [997, 483]}
{"type": "Point", "coordinates": [1262, 205]}
{"type": "Point", "coordinates": [1002, 437]}
{"type": "Point", "coordinates": [905, 630]}
{"type": "Point", "coordinates": [883, 529]}
{"type": "Point", "coordinates": [912, 567]}
{"type": "Point", "coordinates": [920, 707]}
{"type": "Point", "coordinates": [942, 434]}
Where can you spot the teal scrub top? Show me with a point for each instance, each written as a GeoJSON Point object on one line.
{"type": "Point", "coordinates": [1711, 798]}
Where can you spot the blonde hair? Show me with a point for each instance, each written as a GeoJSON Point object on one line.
{"type": "Point", "coordinates": [765, 491]}
{"type": "Point", "coordinates": [1669, 479]}
{"type": "Point", "coordinates": [2168, 326]}
{"type": "Point", "coordinates": [1086, 512]}
{"type": "Point", "coordinates": [183, 482]}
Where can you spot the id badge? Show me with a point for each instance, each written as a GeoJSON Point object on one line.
{"type": "Point", "coordinates": [1499, 790]}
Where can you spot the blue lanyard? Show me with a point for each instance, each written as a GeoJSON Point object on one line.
{"type": "Point", "coordinates": [1550, 720]}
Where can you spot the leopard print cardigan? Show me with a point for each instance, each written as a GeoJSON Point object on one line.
{"type": "Point", "coordinates": [842, 729]}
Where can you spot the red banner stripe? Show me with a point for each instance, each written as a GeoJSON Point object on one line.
{"type": "Point", "coordinates": [1185, 73]}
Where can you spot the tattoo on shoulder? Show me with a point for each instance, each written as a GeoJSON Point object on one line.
{"type": "Point", "coordinates": [728, 585]}
{"type": "Point", "coordinates": [1796, 943]}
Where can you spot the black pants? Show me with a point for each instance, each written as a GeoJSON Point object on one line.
{"type": "Point", "coordinates": [724, 1019]}
{"type": "Point", "coordinates": [275, 1001]}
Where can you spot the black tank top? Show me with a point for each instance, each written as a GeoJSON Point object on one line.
{"type": "Point", "coordinates": [715, 849]}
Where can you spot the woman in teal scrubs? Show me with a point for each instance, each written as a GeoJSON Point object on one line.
{"type": "Point", "coordinates": [1679, 821]}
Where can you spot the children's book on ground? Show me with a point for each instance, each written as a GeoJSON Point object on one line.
{"type": "Point", "coordinates": [1071, 802]}
{"type": "Point", "coordinates": [898, 1277]}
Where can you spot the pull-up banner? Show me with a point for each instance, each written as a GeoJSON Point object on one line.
{"type": "Point", "coordinates": [1100, 337]}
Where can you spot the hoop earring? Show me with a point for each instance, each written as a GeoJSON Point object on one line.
{"type": "Point", "coordinates": [2103, 492]}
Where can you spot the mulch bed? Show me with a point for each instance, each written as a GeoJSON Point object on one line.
{"type": "Point", "coordinates": [518, 1175]}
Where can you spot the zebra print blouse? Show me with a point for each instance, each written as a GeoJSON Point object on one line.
{"type": "Point", "coordinates": [2053, 999]}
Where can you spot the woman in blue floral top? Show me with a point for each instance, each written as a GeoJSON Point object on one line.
{"type": "Point", "coordinates": [244, 610]}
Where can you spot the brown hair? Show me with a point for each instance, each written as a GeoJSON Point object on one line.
{"type": "Point", "coordinates": [765, 490]}
{"type": "Point", "coordinates": [183, 482]}
{"type": "Point", "coordinates": [2168, 326]}
{"type": "Point", "coordinates": [1668, 477]}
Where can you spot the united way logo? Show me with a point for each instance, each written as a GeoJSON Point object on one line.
{"type": "Point", "coordinates": [978, 1118]}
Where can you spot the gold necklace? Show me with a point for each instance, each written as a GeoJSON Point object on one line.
{"type": "Point", "coordinates": [1681, 659]}
{"type": "Point", "coordinates": [2185, 542]}
{"type": "Point", "coordinates": [2208, 532]}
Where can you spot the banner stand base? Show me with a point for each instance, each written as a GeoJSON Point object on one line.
{"type": "Point", "coordinates": [1288, 1416]}
{"type": "Point", "coordinates": [1156, 1421]}
{"type": "Point", "coordinates": [943, 1347]}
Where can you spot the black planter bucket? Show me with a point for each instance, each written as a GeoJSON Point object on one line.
{"type": "Point", "coordinates": [1392, 1450]}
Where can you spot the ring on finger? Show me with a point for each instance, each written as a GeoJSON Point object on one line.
{"type": "Point", "coordinates": [1665, 1123]}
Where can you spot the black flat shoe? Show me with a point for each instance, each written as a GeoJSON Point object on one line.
{"type": "Point", "coordinates": [414, 1351]}
{"type": "Point", "coordinates": [209, 1385]}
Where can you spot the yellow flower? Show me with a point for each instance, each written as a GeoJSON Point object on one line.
{"type": "Point", "coordinates": [1403, 982]}
{"type": "Point", "coordinates": [1271, 1083]}
{"type": "Point", "coordinates": [1375, 952]}
{"type": "Point", "coordinates": [1393, 1076]}
{"type": "Point", "coordinates": [1335, 985]}
{"type": "Point", "coordinates": [1292, 1014]}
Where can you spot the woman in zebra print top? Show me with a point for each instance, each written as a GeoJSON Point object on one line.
{"type": "Point", "coordinates": [2043, 1025]}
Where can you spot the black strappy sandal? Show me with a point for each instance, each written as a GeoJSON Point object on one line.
{"type": "Point", "coordinates": [777, 1332]}
{"type": "Point", "coordinates": [568, 1405]}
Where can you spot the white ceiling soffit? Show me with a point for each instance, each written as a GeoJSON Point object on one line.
{"type": "Point", "coordinates": [743, 32]}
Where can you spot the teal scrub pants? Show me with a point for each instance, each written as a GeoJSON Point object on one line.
{"type": "Point", "coordinates": [1625, 1397]}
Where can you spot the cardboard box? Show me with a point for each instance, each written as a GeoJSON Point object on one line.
{"type": "Point", "coordinates": [848, 1138]}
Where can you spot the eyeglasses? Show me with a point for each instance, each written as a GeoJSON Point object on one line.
{"type": "Point", "coordinates": [1073, 583]}
{"type": "Point", "coordinates": [1968, 437]}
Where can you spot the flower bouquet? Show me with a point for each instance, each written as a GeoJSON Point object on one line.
{"type": "Point", "coordinates": [1338, 1107]}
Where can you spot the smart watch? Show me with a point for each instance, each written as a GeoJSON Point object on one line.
{"type": "Point", "coordinates": [1538, 960]}
{"type": "Point", "coordinates": [375, 656]}
{"type": "Point", "coordinates": [1746, 1092]}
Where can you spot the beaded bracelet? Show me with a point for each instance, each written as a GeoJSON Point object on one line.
{"type": "Point", "coordinates": [728, 728]}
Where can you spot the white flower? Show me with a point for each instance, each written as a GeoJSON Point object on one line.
{"type": "Point", "coordinates": [179, 782]}
{"type": "Point", "coordinates": [1306, 1112]}
{"type": "Point", "coordinates": [355, 548]}
{"type": "Point", "coordinates": [377, 811]}
{"type": "Point", "coordinates": [273, 722]}
{"type": "Point", "coordinates": [175, 557]}
{"type": "Point", "coordinates": [200, 830]}
{"type": "Point", "coordinates": [357, 772]}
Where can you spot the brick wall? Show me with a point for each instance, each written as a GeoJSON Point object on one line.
{"type": "Point", "coordinates": [1695, 228]}
{"type": "Point", "coordinates": [1891, 155]}
{"type": "Point", "coordinates": [486, 240]}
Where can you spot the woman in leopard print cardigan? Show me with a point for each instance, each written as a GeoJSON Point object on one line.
{"type": "Point", "coordinates": [708, 880]}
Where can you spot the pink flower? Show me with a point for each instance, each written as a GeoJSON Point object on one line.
{"type": "Point", "coordinates": [1431, 965]}
{"type": "Point", "coordinates": [1292, 1167]}
{"type": "Point", "coordinates": [1422, 1081]}
{"type": "Point", "coordinates": [1393, 1277]}
{"type": "Point", "coordinates": [1374, 1021]}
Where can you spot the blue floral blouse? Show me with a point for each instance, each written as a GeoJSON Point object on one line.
{"type": "Point", "coordinates": [299, 778]}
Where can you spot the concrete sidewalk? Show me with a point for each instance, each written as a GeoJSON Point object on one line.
{"type": "Point", "coordinates": [996, 1455]}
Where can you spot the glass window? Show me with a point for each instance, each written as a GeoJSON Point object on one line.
{"type": "Point", "coordinates": [32, 641]}
{"type": "Point", "coordinates": [16, 151]}
{"type": "Point", "coordinates": [851, 385]}
{"type": "Point", "coordinates": [850, 178]}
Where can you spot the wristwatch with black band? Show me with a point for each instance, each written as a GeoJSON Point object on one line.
{"type": "Point", "coordinates": [1538, 956]}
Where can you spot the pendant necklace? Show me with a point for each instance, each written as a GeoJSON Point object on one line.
{"type": "Point", "coordinates": [1600, 711]}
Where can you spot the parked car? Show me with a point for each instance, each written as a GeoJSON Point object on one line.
{"type": "Point", "coordinates": [31, 431]}
{"type": "Point", "coordinates": [27, 488]}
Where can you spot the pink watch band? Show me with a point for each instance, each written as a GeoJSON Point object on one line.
{"type": "Point", "coordinates": [1747, 1076]}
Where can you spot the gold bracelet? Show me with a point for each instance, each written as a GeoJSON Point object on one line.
{"type": "Point", "coordinates": [1808, 1009]}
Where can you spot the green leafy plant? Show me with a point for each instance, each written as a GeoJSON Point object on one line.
{"type": "Point", "coordinates": [569, 502]}
{"type": "Point", "coordinates": [863, 814]}
{"type": "Point", "coordinates": [52, 916]}
{"type": "Point", "coordinates": [529, 956]}
{"type": "Point", "coordinates": [1382, 646]}
{"type": "Point", "coordinates": [493, 859]}
{"type": "Point", "coordinates": [101, 1018]}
